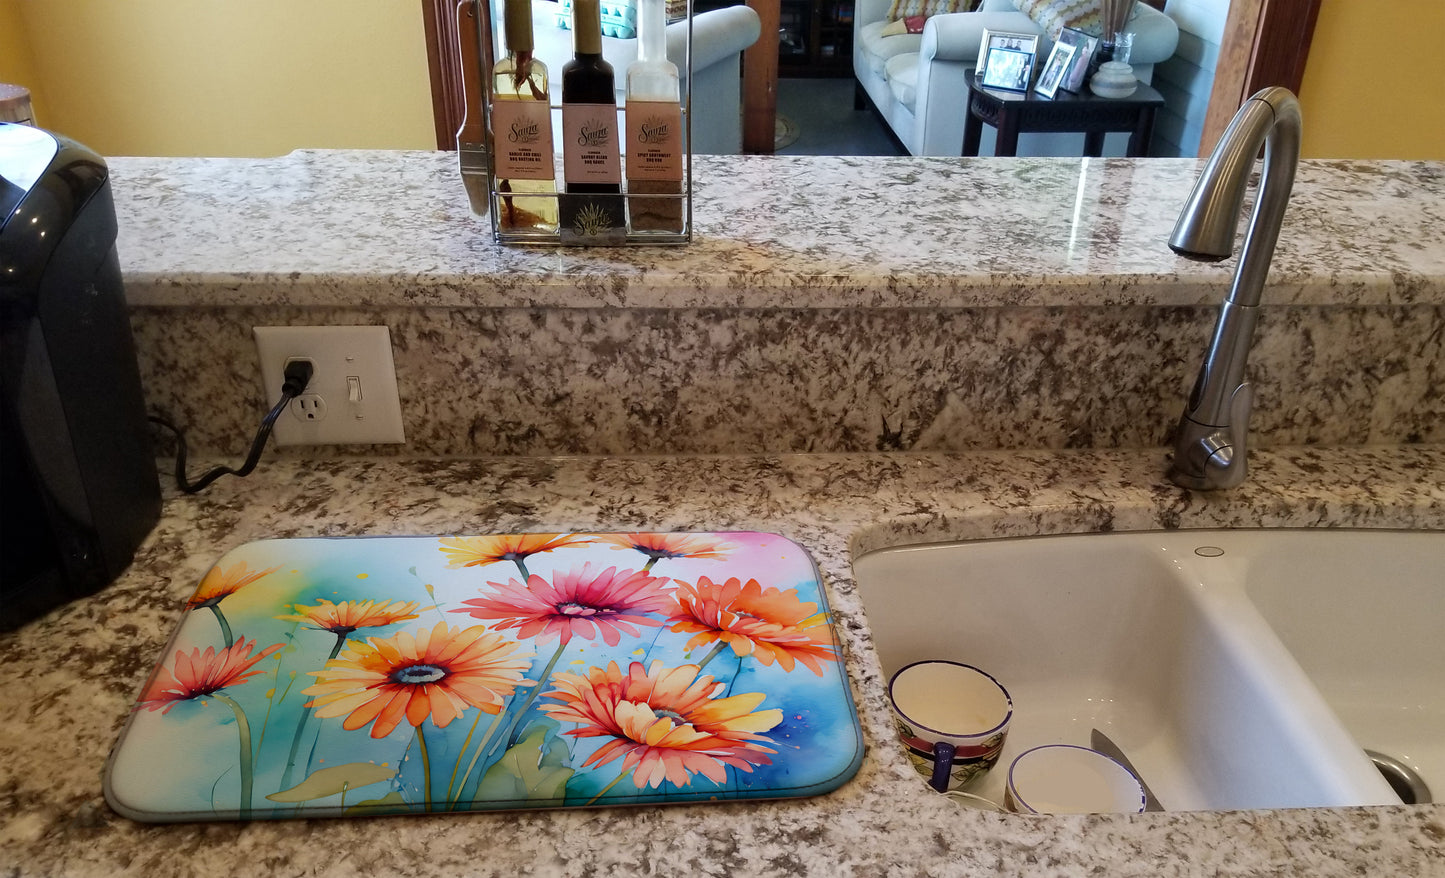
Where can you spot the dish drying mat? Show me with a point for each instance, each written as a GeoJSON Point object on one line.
{"type": "Point", "coordinates": [409, 675]}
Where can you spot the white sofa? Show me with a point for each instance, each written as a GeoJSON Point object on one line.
{"type": "Point", "coordinates": [718, 39]}
{"type": "Point", "coordinates": [917, 80]}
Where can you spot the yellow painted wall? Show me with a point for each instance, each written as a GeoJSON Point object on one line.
{"type": "Point", "coordinates": [1374, 85]}
{"type": "Point", "coordinates": [239, 78]}
{"type": "Point", "coordinates": [263, 77]}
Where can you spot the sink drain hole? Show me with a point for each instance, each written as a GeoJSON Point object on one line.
{"type": "Point", "coordinates": [1403, 779]}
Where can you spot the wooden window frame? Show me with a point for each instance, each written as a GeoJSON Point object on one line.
{"type": "Point", "coordinates": [444, 64]}
{"type": "Point", "coordinates": [1266, 42]}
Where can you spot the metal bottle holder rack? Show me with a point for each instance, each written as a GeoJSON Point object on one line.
{"type": "Point", "coordinates": [613, 236]}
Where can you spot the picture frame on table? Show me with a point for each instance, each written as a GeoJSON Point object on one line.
{"type": "Point", "coordinates": [1006, 60]}
{"type": "Point", "coordinates": [1084, 48]}
{"type": "Point", "coordinates": [1054, 69]}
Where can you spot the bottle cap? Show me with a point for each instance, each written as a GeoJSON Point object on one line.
{"type": "Point", "coordinates": [587, 26]}
{"type": "Point", "coordinates": [518, 25]}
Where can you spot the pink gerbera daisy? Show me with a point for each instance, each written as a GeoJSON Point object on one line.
{"type": "Point", "coordinates": [203, 673]}
{"type": "Point", "coordinates": [578, 603]}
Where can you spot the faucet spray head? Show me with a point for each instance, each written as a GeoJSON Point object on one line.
{"type": "Point", "coordinates": [1206, 226]}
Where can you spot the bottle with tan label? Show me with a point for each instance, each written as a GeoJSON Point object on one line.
{"type": "Point", "coordinates": [654, 127]}
{"type": "Point", "coordinates": [522, 130]}
{"type": "Point", "coordinates": [591, 163]}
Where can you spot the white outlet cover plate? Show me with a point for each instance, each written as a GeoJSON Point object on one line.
{"type": "Point", "coordinates": [339, 353]}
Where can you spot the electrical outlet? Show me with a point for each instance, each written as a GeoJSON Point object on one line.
{"type": "Point", "coordinates": [352, 397]}
{"type": "Point", "coordinates": [309, 407]}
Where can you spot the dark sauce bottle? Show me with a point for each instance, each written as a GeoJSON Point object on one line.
{"type": "Point", "coordinates": [591, 156]}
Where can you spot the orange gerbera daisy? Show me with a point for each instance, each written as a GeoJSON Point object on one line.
{"type": "Point", "coordinates": [660, 546]}
{"type": "Point", "coordinates": [577, 602]}
{"type": "Point", "coordinates": [665, 723]}
{"type": "Point", "coordinates": [218, 583]}
{"type": "Point", "coordinates": [480, 551]}
{"type": "Point", "coordinates": [437, 672]}
{"type": "Point", "coordinates": [203, 673]}
{"type": "Point", "coordinates": [347, 616]}
{"type": "Point", "coordinates": [771, 624]}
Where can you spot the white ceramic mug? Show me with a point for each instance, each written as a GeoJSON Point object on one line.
{"type": "Point", "coordinates": [952, 719]}
{"type": "Point", "coordinates": [1065, 779]}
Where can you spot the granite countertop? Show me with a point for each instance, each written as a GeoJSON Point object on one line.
{"type": "Point", "coordinates": [374, 229]}
{"type": "Point", "coordinates": [67, 680]}
{"type": "Point", "coordinates": [211, 247]}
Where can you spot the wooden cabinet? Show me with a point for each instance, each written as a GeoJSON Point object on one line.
{"type": "Point", "coordinates": [815, 38]}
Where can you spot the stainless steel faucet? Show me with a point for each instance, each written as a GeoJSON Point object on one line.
{"type": "Point", "coordinates": [1209, 449]}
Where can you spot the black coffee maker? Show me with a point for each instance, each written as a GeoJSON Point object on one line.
{"type": "Point", "coordinates": [78, 483]}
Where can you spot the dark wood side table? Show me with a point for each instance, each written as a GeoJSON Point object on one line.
{"type": "Point", "coordinates": [1015, 112]}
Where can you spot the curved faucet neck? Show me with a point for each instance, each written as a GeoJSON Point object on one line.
{"type": "Point", "coordinates": [1210, 445]}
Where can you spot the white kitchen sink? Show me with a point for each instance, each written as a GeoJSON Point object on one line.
{"type": "Point", "coordinates": [1236, 669]}
{"type": "Point", "coordinates": [1364, 616]}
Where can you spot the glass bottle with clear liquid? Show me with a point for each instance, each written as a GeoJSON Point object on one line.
{"type": "Point", "coordinates": [654, 127]}
{"type": "Point", "coordinates": [522, 130]}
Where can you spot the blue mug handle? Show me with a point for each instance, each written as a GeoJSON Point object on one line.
{"type": "Point", "coordinates": [942, 765]}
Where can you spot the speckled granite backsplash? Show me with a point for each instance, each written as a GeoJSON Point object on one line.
{"type": "Point", "coordinates": [622, 381]}
{"type": "Point", "coordinates": [864, 304]}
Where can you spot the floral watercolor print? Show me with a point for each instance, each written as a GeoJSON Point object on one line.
{"type": "Point", "coordinates": [393, 675]}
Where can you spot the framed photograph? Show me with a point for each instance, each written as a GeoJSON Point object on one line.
{"type": "Point", "coordinates": [1053, 74]}
{"type": "Point", "coordinates": [1007, 60]}
{"type": "Point", "coordinates": [982, 54]}
{"type": "Point", "coordinates": [1084, 48]}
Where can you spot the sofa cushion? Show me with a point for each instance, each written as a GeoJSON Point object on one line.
{"type": "Point", "coordinates": [905, 8]}
{"type": "Point", "coordinates": [877, 49]}
{"type": "Point", "coordinates": [1053, 16]}
{"type": "Point", "coordinates": [902, 72]}
{"type": "Point", "coordinates": [913, 24]}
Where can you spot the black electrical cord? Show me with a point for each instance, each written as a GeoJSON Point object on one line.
{"type": "Point", "coordinates": [298, 375]}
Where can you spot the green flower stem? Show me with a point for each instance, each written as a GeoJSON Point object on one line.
{"type": "Point", "coordinates": [647, 656]}
{"type": "Point", "coordinates": [721, 645]}
{"type": "Point", "coordinates": [425, 768]}
{"type": "Point", "coordinates": [243, 731]}
{"type": "Point", "coordinates": [462, 752]}
{"type": "Point", "coordinates": [514, 729]}
{"type": "Point", "coordinates": [272, 699]}
{"type": "Point", "coordinates": [646, 567]}
{"type": "Point", "coordinates": [607, 789]}
{"type": "Point", "coordinates": [431, 592]}
{"type": "Point", "coordinates": [225, 626]}
{"type": "Point", "coordinates": [288, 774]}
{"type": "Point", "coordinates": [522, 566]}
{"type": "Point", "coordinates": [481, 748]}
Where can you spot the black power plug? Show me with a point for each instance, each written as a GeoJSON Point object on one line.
{"type": "Point", "coordinates": [297, 376]}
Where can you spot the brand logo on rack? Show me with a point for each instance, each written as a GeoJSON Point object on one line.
{"type": "Point", "coordinates": [654, 129]}
{"type": "Point", "coordinates": [594, 132]}
{"type": "Point", "coordinates": [525, 132]}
